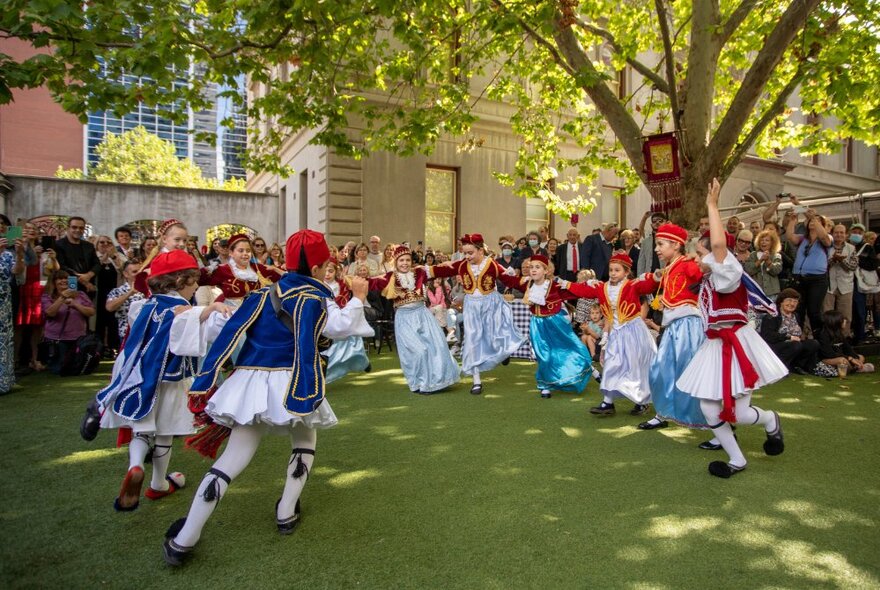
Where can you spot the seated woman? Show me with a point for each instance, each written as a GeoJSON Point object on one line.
{"type": "Point", "coordinates": [835, 349]}
{"type": "Point", "coordinates": [786, 338]}
{"type": "Point", "coordinates": [66, 312]}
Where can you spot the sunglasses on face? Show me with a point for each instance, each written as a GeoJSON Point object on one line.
{"type": "Point", "coordinates": [104, 242]}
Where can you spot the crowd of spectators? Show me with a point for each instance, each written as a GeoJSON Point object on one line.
{"type": "Point", "coordinates": [823, 276]}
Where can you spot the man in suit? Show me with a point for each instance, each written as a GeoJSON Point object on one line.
{"type": "Point", "coordinates": [596, 250]}
{"type": "Point", "coordinates": [568, 255]}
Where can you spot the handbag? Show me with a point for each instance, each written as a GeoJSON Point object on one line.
{"type": "Point", "coordinates": [49, 349]}
{"type": "Point", "coordinates": [867, 281]}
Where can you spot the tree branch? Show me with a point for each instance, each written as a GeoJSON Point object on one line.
{"type": "Point", "coordinates": [736, 18]}
{"type": "Point", "coordinates": [591, 81]}
{"type": "Point", "coordinates": [670, 61]}
{"type": "Point", "coordinates": [699, 87]}
{"type": "Point", "coordinates": [753, 84]}
{"type": "Point", "coordinates": [773, 111]}
{"type": "Point", "coordinates": [638, 66]}
{"type": "Point", "coordinates": [538, 38]}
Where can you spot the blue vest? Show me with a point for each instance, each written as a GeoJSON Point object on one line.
{"type": "Point", "coordinates": [146, 360]}
{"type": "Point", "coordinates": [271, 345]}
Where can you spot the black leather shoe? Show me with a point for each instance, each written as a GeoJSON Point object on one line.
{"type": "Point", "coordinates": [91, 422]}
{"type": "Point", "coordinates": [800, 371]}
{"type": "Point", "coordinates": [476, 390]}
{"type": "Point", "coordinates": [603, 409]}
{"type": "Point", "coordinates": [638, 410]}
{"type": "Point", "coordinates": [545, 395]}
{"type": "Point", "coordinates": [708, 445]}
{"type": "Point", "coordinates": [724, 470]}
{"type": "Point", "coordinates": [774, 445]}
{"type": "Point", "coordinates": [173, 553]}
{"type": "Point", "coordinates": [648, 425]}
{"type": "Point", "coordinates": [288, 525]}
{"type": "Point", "coordinates": [505, 362]}
{"type": "Point", "coordinates": [369, 368]}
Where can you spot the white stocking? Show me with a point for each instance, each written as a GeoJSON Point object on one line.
{"type": "Point", "coordinates": [161, 459]}
{"type": "Point", "coordinates": [300, 464]}
{"type": "Point", "coordinates": [722, 431]}
{"type": "Point", "coordinates": [240, 449]}
{"type": "Point", "coordinates": [477, 380]}
{"type": "Point", "coordinates": [138, 449]}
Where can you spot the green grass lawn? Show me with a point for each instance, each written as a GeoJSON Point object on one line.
{"type": "Point", "coordinates": [504, 490]}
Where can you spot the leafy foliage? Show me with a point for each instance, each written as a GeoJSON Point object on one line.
{"type": "Point", "coordinates": [140, 157]}
{"type": "Point", "coordinates": [402, 73]}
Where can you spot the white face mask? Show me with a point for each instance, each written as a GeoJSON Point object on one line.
{"type": "Point", "coordinates": [506, 251]}
{"type": "Point", "coordinates": [533, 243]}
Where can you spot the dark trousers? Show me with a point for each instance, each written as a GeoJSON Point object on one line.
{"type": "Point", "coordinates": [812, 289]}
{"type": "Point", "coordinates": [803, 354]}
{"type": "Point", "coordinates": [860, 315]}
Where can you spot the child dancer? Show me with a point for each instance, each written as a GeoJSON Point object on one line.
{"type": "Point", "coordinates": [564, 363]}
{"type": "Point", "coordinates": [278, 384]}
{"type": "Point", "coordinates": [592, 329]}
{"type": "Point", "coordinates": [630, 348]}
{"type": "Point", "coordinates": [148, 392]}
{"type": "Point", "coordinates": [490, 336]}
{"type": "Point", "coordinates": [240, 276]}
{"type": "Point", "coordinates": [424, 354]}
{"type": "Point", "coordinates": [683, 331]}
{"type": "Point", "coordinates": [172, 236]}
{"type": "Point", "coordinates": [346, 355]}
{"type": "Point", "coordinates": [734, 360]}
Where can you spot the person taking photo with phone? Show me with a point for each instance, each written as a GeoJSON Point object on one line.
{"type": "Point", "coordinates": [67, 311]}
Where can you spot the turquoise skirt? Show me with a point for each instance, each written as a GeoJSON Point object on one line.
{"type": "Point", "coordinates": [564, 363]}
{"type": "Point", "coordinates": [346, 356]}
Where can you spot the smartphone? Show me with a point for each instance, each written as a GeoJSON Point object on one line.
{"type": "Point", "coordinates": [13, 232]}
{"type": "Point", "coordinates": [72, 283]}
{"type": "Point", "coordinates": [47, 242]}
{"type": "Point", "coordinates": [800, 209]}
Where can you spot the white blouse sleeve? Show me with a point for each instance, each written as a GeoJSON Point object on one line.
{"type": "Point", "coordinates": [346, 321]}
{"type": "Point", "coordinates": [134, 309]}
{"type": "Point", "coordinates": [726, 275]}
{"type": "Point", "coordinates": [188, 334]}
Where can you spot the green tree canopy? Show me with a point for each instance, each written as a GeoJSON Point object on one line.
{"type": "Point", "coordinates": [719, 72]}
{"type": "Point", "coordinates": [140, 157]}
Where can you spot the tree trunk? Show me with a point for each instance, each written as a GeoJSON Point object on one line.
{"type": "Point", "coordinates": [693, 200]}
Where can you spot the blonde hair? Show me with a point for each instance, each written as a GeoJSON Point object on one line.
{"type": "Point", "coordinates": [585, 274]}
{"type": "Point", "coordinates": [775, 245]}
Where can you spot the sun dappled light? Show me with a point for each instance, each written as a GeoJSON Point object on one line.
{"type": "Point", "coordinates": [352, 478]}
{"type": "Point", "coordinates": [84, 456]}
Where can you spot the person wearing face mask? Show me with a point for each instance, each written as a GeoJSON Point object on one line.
{"type": "Point", "coordinates": [506, 259]}
{"type": "Point", "coordinates": [533, 246]}
{"type": "Point", "coordinates": [865, 282]}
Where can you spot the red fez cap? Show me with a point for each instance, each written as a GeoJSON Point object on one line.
{"type": "Point", "coordinates": [473, 239]}
{"type": "Point", "coordinates": [173, 261]}
{"type": "Point", "coordinates": [399, 251]}
{"type": "Point", "coordinates": [167, 224]}
{"type": "Point", "coordinates": [312, 243]}
{"type": "Point", "coordinates": [729, 238]}
{"type": "Point", "coordinates": [673, 233]}
{"type": "Point", "coordinates": [235, 239]}
{"type": "Point", "coordinates": [621, 258]}
{"type": "Point", "coordinates": [540, 258]}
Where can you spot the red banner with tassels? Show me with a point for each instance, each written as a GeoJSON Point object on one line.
{"type": "Point", "coordinates": [663, 171]}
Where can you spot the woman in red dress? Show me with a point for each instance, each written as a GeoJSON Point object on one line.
{"type": "Point", "coordinates": [29, 319]}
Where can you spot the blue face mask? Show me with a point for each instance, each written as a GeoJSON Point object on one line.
{"type": "Point", "coordinates": [506, 251]}
{"type": "Point", "coordinates": [856, 238]}
{"type": "Point", "coordinates": [533, 243]}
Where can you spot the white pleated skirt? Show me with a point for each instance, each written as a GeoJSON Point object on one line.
{"type": "Point", "coordinates": [170, 415]}
{"type": "Point", "coordinates": [703, 377]}
{"type": "Point", "coordinates": [251, 396]}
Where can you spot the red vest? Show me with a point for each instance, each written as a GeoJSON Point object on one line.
{"type": "Point", "coordinates": [724, 307]}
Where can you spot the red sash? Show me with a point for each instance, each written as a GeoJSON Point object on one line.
{"type": "Point", "coordinates": [731, 345]}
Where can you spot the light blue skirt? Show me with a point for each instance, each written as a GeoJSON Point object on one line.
{"type": "Point", "coordinates": [427, 363]}
{"type": "Point", "coordinates": [564, 363]}
{"type": "Point", "coordinates": [490, 335]}
{"type": "Point", "coordinates": [679, 344]}
{"type": "Point", "coordinates": [346, 356]}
